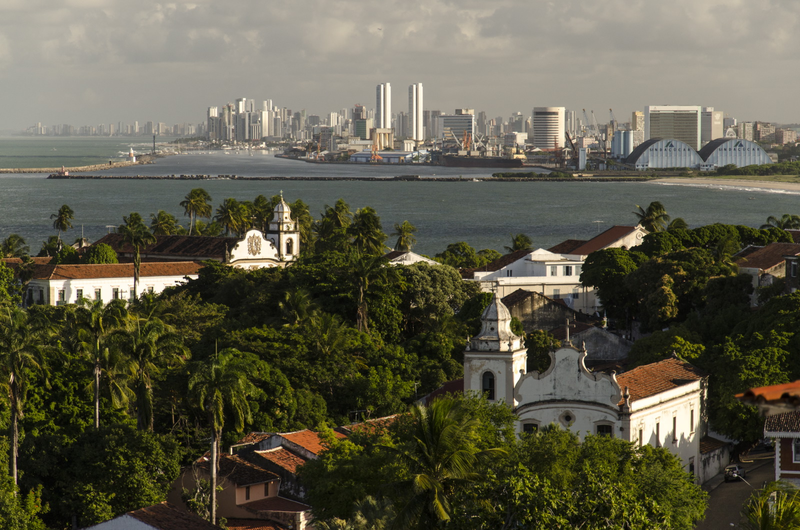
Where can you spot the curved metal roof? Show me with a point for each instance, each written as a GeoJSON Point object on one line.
{"type": "Point", "coordinates": [712, 146]}
{"type": "Point", "coordinates": [641, 148]}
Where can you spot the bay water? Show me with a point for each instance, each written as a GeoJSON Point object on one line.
{"type": "Point", "coordinates": [484, 214]}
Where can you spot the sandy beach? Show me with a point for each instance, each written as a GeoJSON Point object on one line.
{"type": "Point", "coordinates": [730, 183]}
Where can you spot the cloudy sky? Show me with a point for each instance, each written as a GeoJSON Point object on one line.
{"type": "Point", "coordinates": [100, 61]}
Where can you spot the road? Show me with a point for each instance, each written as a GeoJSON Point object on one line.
{"type": "Point", "coordinates": [725, 502]}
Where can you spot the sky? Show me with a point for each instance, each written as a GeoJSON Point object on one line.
{"type": "Point", "coordinates": [86, 62]}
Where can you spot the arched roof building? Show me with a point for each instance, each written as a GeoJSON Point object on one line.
{"type": "Point", "coordinates": [662, 153]}
{"type": "Point", "coordinates": [736, 151]}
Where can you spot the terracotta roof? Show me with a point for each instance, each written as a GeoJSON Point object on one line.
{"type": "Point", "coordinates": [652, 379]}
{"type": "Point", "coordinates": [451, 387]}
{"type": "Point", "coordinates": [200, 247]}
{"type": "Point", "coordinates": [370, 426]}
{"type": "Point", "coordinates": [253, 524]}
{"type": "Point", "coordinates": [786, 422]}
{"type": "Point", "coordinates": [786, 395]}
{"type": "Point", "coordinates": [240, 471]}
{"type": "Point", "coordinates": [11, 262]}
{"type": "Point", "coordinates": [276, 504]}
{"type": "Point", "coordinates": [566, 247]}
{"type": "Point", "coordinates": [116, 270]}
{"type": "Point", "coordinates": [254, 438]}
{"type": "Point", "coordinates": [709, 444]}
{"type": "Point", "coordinates": [308, 440]}
{"type": "Point", "coordinates": [165, 516]}
{"type": "Point", "coordinates": [615, 233]}
{"type": "Point", "coordinates": [769, 256]}
{"type": "Point", "coordinates": [283, 458]}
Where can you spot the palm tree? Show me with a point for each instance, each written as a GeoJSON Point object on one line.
{"type": "Point", "coordinates": [197, 203]}
{"type": "Point", "coordinates": [520, 242]}
{"type": "Point", "coordinates": [97, 324]}
{"type": "Point", "coordinates": [297, 307]}
{"type": "Point", "coordinates": [164, 224]}
{"type": "Point", "coordinates": [786, 222]}
{"type": "Point", "coordinates": [21, 345]}
{"type": "Point", "coordinates": [654, 218]}
{"type": "Point", "coordinates": [366, 231]}
{"type": "Point", "coordinates": [441, 459]}
{"type": "Point", "coordinates": [234, 216]}
{"type": "Point", "coordinates": [135, 233]}
{"type": "Point", "coordinates": [405, 236]}
{"type": "Point", "coordinates": [263, 209]}
{"type": "Point", "coordinates": [216, 385]}
{"type": "Point", "coordinates": [150, 345]}
{"type": "Point", "coordinates": [14, 247]}
{"type": "Point", "coordinates": [776, 507]}
{"type": "Point", "coordinates": [366, 271]}
{"type": "Point", "coordinates": [63, 219]}
{"type": "Point", "coordinates": [678, 224]}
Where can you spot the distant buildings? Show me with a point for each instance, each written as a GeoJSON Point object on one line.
{"type": "Point", "coordinates": [682, 123]}
{"type": "Point", "coordinates": [383, 106]}
{"type": "Point", "coordinates": [454, 126]}
{"type": "Point", "coordinates": [548, 127]}
{"type": "Point", "coordinates": [415, 102]}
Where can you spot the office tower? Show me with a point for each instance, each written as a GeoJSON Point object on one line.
{"type": "Point", "coordinates": [711, 125]}
{"type": "Point", "coordinates": [637, 121]}
{"type": "Point", "coordinates": [457, 126]}
{"type": "Point", "coordinates": [571, 122]}
{"type": "Point", "coordinates": [417, 131]}
{"type": "Point", "coordinates": [674, 122]}
{"type": "Point", "coordinates": [516, 122]}
{"type": "Point", "coordinates": [383, 106]}
{"type": "Point", "coordinates": [548, 127]}
{"type": "Point", "coordinates": [241, 105]}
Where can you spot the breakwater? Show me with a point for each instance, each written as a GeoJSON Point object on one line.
{"type": "Point", "coordinates": [144, 159]}
{"type": "Point", "coordinates": [414, 178]}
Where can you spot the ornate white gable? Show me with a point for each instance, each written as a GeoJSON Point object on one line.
{"type": "Point", "coordinates": [254, 251]}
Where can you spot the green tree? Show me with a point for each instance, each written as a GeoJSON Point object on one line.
{"type": "Point", "coordinates": [775, 507]}
{"type": "Point", "coordinates": [50, 247]}
{"type": "Point", "coordinates": [520, 242]}
{"type": "Point", "coordinates": [99, 254]}
{"type": "Point", "coordinates": [367, 271]}
{"type": "Point", "coordinates": [405, 236]}
{"type": "Point", "coordinates": [459, 255]}
{"type": "Point", "coordinates": [197, 203]}
{"type": "Point", "coordinates": [366, 232]}
{"type": "Point", "coordinates": [164, 224]}
{"type": "Point", "coordinates": [14, 247]}
{"type": "Point", "coordinates": [135, 233]}
{"type": "Point", "coordinates": [234, 216]}
{"type": "Point", "coordinates": [217, 384]}
{"type": "Point", "coordinates": [654, 218]}
{"type": "Point", "coordinates": [21, 357]}
{"type": "Point", "coordinates": [785, 222]}
{"type": "Point", "coordinates": [66, 256]}
{"type": "Point", "coordinates": [62, 220]}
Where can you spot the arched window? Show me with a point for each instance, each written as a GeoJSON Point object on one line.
{"type": "Point", "coordinates": [289, 246]}
{"type": "Point", "coordinates": [488, 385]}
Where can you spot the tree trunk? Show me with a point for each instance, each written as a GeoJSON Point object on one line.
{"type": "Point", "coordinates": [14, 444]}
{"type": "Point", "coordinates": [137, 261]}
{"type": "Point", "coordinates": [213, 476]}
{"type": "Point", "coordinates": [97, 393]}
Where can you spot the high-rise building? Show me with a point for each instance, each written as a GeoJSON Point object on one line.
{"type": "Point", "coordinates": [417, 131]}
{"type": "Point", "coordinates": [711, 125]}
{"type": "Point", "coordinates": [456, 126]}
{"type": "Point", "coordinates": [637, 121]}
{"type": "Point", "coordinates": [548, 127]}
{"type": "Point", "coordinates": [674, 122]}
{"type": "Point", "coordinates": [383, 106]}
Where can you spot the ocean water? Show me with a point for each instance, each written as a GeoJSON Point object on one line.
{"type": "Point", "coordinates": [484, 214]}
{"type": "Point", "coordinates": [71, 151]}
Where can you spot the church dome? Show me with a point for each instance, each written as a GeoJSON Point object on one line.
{"type": "Point", "coordinates": [496, 334]}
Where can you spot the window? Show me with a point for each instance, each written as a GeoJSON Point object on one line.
{"type": "Point", "coordinates": [150, 289]}
{"type": "Point", "coordinates": [98, 294]}
{"type": "Point", "coordinates": [691, 420]}
{"type": "Point", "coordinates": [796, 450]}
{"type": "Point", "coordinates": [247, 493]}
{"type": "Point", "coordinates": [556, 294]}
{"type": "Point", "coordinates": [78, 294]}
{"type": "Point", "coordinates": [115, 293]}
{"type": "Point", "coordinates": [266, 489]}
{"type": "Point", "coordinates": [576, 293]}
{"type": "Point", "coordinates": [553, 270]}
{"type": "Point", "coordinates": [530, 428]}
{"type": "Point", "coordinates": [793, 269]}
{"type": "Point", "coordinates": [509, 273]}
{"type": "Point", "coordinates": [488, 385]}
{"type": "Point", "coordinates": [658, 434]}
{"type": "Point", "coordinates": [61, 296]}
{"type": "Point", "coordinates": [641, 437]}
{"type": "Point", "coordinates": [567, 270]}
{"type": "Point", "coordinates": [674, 429]}
{"type": "Point", "coordinates": [289, 245]}
{"type": "Point", "coordinates": [605, 430]}
{"type": "Point", "coordinates": [41, 296]}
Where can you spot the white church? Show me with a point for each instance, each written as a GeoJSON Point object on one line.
{"type": "Point", "coordinates": [658, 404]}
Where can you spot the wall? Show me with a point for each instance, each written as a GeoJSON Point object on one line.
{"type": "Point", "coordinates": [538, 312]}
{"type": "Point", "coordinates": [106, 286]}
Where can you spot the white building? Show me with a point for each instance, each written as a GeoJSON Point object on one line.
{"type": "Point", "coordinates": [383, 106]}
{"type": "Point", "coordinates": [415, 102]}
{"type": "Point", "coordinates": [548, 127]}
{"type": "Point", "coordinates": [711, 125]}
{"type": "Point", "coordinates": [670, 121]}
{"type": "Point", "coordinates": [658, 404]}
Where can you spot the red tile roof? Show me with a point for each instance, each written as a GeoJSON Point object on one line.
{"type": "Point", "coordinates": [787, 394]}
{"type": "Point", "coordinates": [254, 438]}
{"type": "Point", "coordinates": [652, 379]}
{"type": "Point", "coordinates": [451, 387]}
{"type": "Point", "coordinates": [283, 458]}
{"type": "Point", "coordinates": [276, 504]}
{"type": "Point", "coordinates": [253, 524]}
{"type": "Point", "coordinates": [788, 422]}
{"type": "Point", "coordinates": [375, 425]}
{"type": "Point", "coordinates": [601, 241]}
{"type": "Point", "coordinates": [769, 256]}
{"type": "Point", "coordinates": [566, 247]}
{"type": "Point", "coordinates": [165, 516]}
{"type": "Point", "coordinates": [308, 440]}
{"type": "Point", "coordinates": [200, 247]}
{"type": "Point", "coordinates": [709, 444]}
{"type": "Point", "coordinates": [239, 471]}
{"type": "Point", "coordinates": [116, 270]}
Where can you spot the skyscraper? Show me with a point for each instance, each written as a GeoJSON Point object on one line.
{"type": "Point", "coordinates": [417, 131]}
{"type": "Point", "coordinates": [383, 106]}
{"type": "Point", "coordinates": [548, 127]}
{"type": "Point", "coordinates": [673, 122]}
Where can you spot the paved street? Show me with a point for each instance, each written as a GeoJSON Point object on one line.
{"type": "Point", "coordinates": [727, 499]}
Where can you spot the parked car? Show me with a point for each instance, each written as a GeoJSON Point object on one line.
{"type": "Point", "coordinates": [734, 472]}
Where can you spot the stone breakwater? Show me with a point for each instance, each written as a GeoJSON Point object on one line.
{"type": "Point", "coordinates": [415, 178]}
{"type": "Point", "coordinates": [144, 159]}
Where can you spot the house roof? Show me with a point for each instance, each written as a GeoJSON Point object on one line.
{"type": "Point", "coordinates": [253, 524]}
{"type": "Point", "coordinates": [283, 458]}
{"type": "Point", "coordinates": [652, 379]}
{"type": "Point", "coordinates": [276, 504]}
{"type": "Point", "coordinates": [775, 397]}
{"type": "Point", "coordinates": [601, 241]}
{"type": "Point", "coordinates": [769, 256]}
{"type": "Point", "coordinates": [516, 297]}
{"type": "Point", "coordinates": [240, 471]}
{"type": "Point", "coordinates": [371, 426]}
{"type": "Point", "coordinates": [394, 254]}
{"type": "Point", "coordinates": [560, 332]}
{"type": "Point", "coordinates": [308, 440]}
{"type": "Point", "coordinates": [710, 444]}
{"type": "Point", "coordinates": [497, 264]}
{"type": "Point", "coordinates": [567, 247]}
{"type": "Point", "coordinates": [165, 516]}
{"type": "Point", "coordinates": [115, 270]}
{"type": "Point", "coordinates": [451, 387]}
{"type": "Point", "coordinates": [200, 247]}
{"type": "Point", "coordinates": [795, 235]}
{"type": "Point", "coordinates": [788, 422]}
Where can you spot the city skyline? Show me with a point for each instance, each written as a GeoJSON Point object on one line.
{"type": "Point", "coordinates": [92, 61]}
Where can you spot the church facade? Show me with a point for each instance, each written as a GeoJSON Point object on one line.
{"type": "Point", "coordinates": [658, 404]}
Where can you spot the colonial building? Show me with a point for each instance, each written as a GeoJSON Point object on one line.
{"type": "Point", "coordinates": [785, 428]}
{"type": "Point", "coordinates": [766, 264]}
{"type": "Point", "coordinates": [658, 404]}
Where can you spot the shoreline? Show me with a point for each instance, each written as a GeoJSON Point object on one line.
{"type": "Point", "coordinates": [729, 183]}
